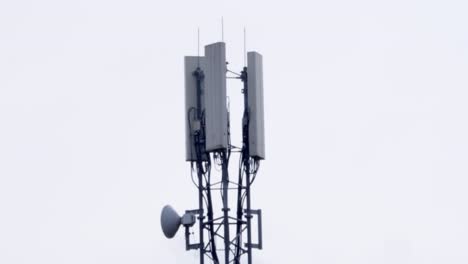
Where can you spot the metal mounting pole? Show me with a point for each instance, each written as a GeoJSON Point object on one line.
{"type": "Point", "coordinates": [249, 217]}
{"type": "Point", "coordinates": [245, 161]}
{"type": "Point", "coordinates": [199, 76]}
{"type": "Point", "coordinates": [225, 180]}
{"type": "Point", "coordinates": [200, 216]}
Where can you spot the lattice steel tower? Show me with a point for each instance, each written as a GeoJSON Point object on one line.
{"type": "Point", "coordinates": [208, 145]}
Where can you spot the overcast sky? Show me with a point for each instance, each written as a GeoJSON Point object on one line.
{"type": "Point", "coordinates": [366, 128]}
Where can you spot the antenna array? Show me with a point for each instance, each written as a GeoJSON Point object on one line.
{"type": "Point", "coordinates": [208, 144]}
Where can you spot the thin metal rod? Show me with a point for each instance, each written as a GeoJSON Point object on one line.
{"type": "Point", "coordinates": [245, 48]}
{"type": "Point", "coordinates": [234, 72]}
{"type": "Point", "coordinates": [222, 29]}
{"type": "Point", "coordinates": [198, 48]}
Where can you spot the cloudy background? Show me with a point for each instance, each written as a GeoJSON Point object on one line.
{"type": "Point", "coordinates": [366, 124]}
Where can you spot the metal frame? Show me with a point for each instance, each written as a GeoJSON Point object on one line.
{"type": "Point", "coordinates": [233, 249]}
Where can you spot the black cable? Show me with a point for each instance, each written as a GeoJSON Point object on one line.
{"type": "Point", "coordinates": [191, 174]}
{"type": "Point", "coordinates": [190, 130]}
{"type": "Point", "coordinates": [214, 254]}
{"type": "Point", "coordinates": [254, 173]}
{"type": "Point", "coordinates": [203, 171]}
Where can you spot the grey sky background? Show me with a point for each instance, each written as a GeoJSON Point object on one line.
{"type": "Point", "coordinates": [366, 128]}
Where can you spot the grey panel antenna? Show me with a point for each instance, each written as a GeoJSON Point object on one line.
{"type": "Point", "coordinates": [255, 105]}
{"type": "Point", "coordinates": [215, 97]}
{"type": "Point", "coordinates": [191, 121]}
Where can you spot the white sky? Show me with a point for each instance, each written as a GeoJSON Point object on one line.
{"type": "Point", "coordinates": [366, 124]}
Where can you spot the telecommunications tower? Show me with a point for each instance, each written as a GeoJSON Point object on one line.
{"type": "Point", "coordinates": [224, 229]}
